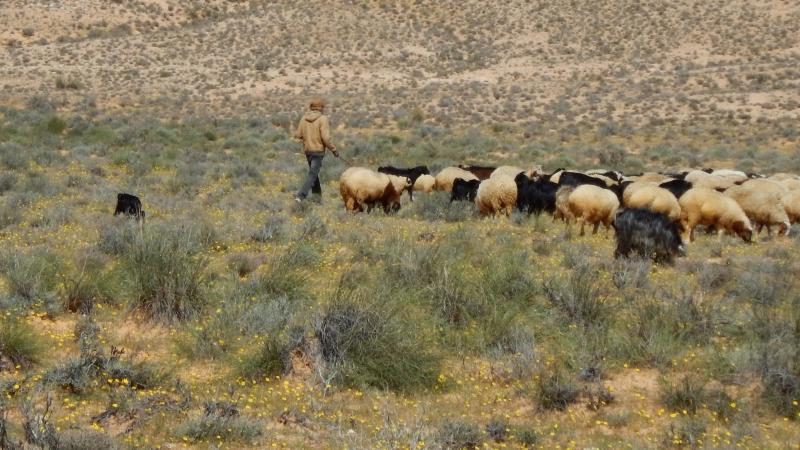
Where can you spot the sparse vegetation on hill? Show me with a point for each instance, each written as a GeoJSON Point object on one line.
{"type": "Point", "coordinates": [236, 317]}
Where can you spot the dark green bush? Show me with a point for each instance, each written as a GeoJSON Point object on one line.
{"type": "Point", "coordinates": [166, 274]}
{"type": "Point", "coordinates": [457, 435]}
{"type": "Point", "coordinates": [221, 423]}
{"type": "Point", "coordinates": [687, 395]}
{"type": "Point", "coordinates": [556, 390]}
{"type": "Point", "coordinates": [368, 338]}
{"type": "Point", "coordinates": [578, 296]}
{"type": "Point", "coordinates": [18, 342]}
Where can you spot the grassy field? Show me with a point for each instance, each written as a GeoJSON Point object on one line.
{"type": "Point", "coordinates": [238, 318]}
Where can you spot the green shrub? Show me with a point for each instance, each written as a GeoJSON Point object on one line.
{"type": "Point", "coordinates": [367, 338]}
{"type": "Point", "coordinates": [166, 275]}
{"type": "Point", "coordinates": [497, 430]}
{"type": "Point", "coordinates": [32, 276]}
{"type": "Point", "coordinates": [689, 433]}
{"type": "Point", "coordinates": [221, 420]}
{"type": "Point", "coordinates": [721, 404]}
{"type": "Point", "coordinates": [86, 440]}
{"type": "Point", "coordinates": [687, 395]}
{"type": "Point", "coordinates": [781, 391]}
{"type": "Point", "coordinates": [457, 435]}
{"type": "Point", "coordinates": [436, 206]}
{"type": "Point", "coordinates": [56, 125]}
{"type": "Point", "coordinates": [648, 334]}
{"type": "Point", "coordinates": [556, 390]}
{"type": "Point", "coordinates": [578, 297]}
{"type": "Point", "coordinates": [528, 437]}
{"type": "Point", "coordinates": [272, 230]}
{"type": "Point", "coordinates": [18, 342]}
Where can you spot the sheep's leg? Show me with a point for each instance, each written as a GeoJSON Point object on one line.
{"type": "Point", "coordinates": [596, 226]}
{"type": "Point", "coordinates": [582, 221]}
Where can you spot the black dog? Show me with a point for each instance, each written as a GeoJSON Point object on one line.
{"type": "Point", "coordinates": [647, 234]}
{"type": "Point", "coordinates": [130, 205]}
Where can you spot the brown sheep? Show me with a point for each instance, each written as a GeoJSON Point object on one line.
{"type": "Point", "coordinates": [594, 205]}
{"type": "Point", "coordinates": [361, 187]}
{"type": "Point", "coordinates": [707, 207]}
{"type": "Point", "coordinates": [496, 195]}
{"type": "Point", "coordinates": [445, 178]}
{"type": "Point", "coordinates": [762, 201]}
{"type": "Point", "coordinates": [425, 183]}
{"type": "Point", "coordinates": [655, 199]}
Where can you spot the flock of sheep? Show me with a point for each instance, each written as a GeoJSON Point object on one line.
{"type": "Point", "coordinates": [649, 211]}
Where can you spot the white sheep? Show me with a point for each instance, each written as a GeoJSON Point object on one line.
{"type": "Point", "coordinates": [424, 183]}
{"type": "Point", "coordinates": [701, 179]}
{"type": "Point", "coordinates": [361, 187]}
{"type": "Point", "coordinates": [791, 204]}
{"type": "Point", "coordinates": [655, 199]}
{"type": "Point", "coordinates": [762, 200]}
{"type": "Point", "coordinates": [651, 177]}
{"type": "Point", "coordinates": [513, 171]}
{"type": "Point", "coordinates": [592, 204]}
{"type": "Point", "coordinates": [736, 176]}
{"type": "Point", "coordinates": [707, 207]}
{"type": "Point", "coordinates": [445, 178]}
{"type": "Point", "coordinates": [497, 194]}
{"type": "Point", "coordinates": [632, 188]}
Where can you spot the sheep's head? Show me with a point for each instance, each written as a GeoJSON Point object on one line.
{"type": "Point", "coordinates": [744, 230]}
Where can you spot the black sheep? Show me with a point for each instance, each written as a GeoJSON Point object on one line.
{"type": "Point", "coordinates": [535, 196]}
{"type": "Point", "coordinates": [482, 172]}
{"type": "Point", "coordinates": [130, 205]}
{"type": "Point", "coordinates": [411, 173]}
{"type": "Point", "coordinates": [677, 187]}
{"type": "Point", "coordinates": [648, 235]}
{"type": "Point", "coordinates": [464, 190]}
{"type": "Point", "coordinates": [576, 179]}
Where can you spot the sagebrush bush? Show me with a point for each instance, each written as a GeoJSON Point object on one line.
{"type": "Point", "coordinates": [221, 421]}
{"type": "Point", "coordinates": [554, 389]}
{"type": "Point", "coordinates": [684, 396]}
{"type": "Point", "coordinates": [436, 206]}
{"type": "Point", "coordinates": [18, 342]}
{"type": "Point", "coordinates": [497, 430]}
{"type": "Point", "coordinates": [781, 391]}
{"type": "Point", "coordinates": [578, 296]}
{"type": "Point", "coordinates": [85, 440]}
{"type": "Point", "coordinates": [166, 274]}
{"type": "Point", "coordinates": [370, 339]}
{"type": "Point", "coordinates": [457, 435]}
{"type": "Point", "coordinates": [32, 276]}
{"type": "Point", "coordinates": [272, 230]}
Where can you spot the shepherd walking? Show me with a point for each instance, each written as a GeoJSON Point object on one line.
{"type": "Point", "coordinates": [314, 130]}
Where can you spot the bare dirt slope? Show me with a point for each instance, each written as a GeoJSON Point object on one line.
{"type": "Point", "coordinates": [559, 61]}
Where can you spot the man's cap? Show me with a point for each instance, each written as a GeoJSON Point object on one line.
{"type": "Point", "coordinates": [316, 103]}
